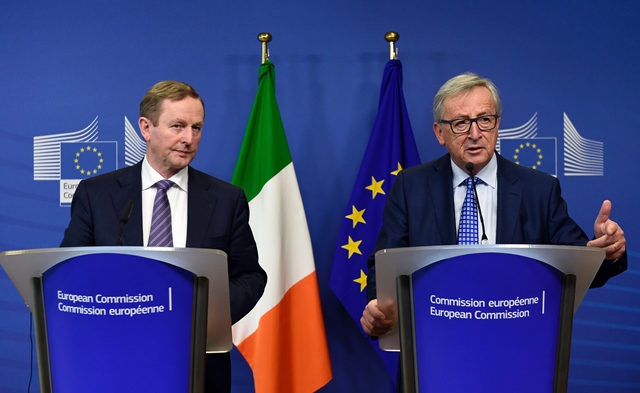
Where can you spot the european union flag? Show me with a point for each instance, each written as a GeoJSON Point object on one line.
{"type": "Point", "coordinates": [391, 148]}
{"type": "Point", "coordinates": [81, 160]}
{"type": "Point", "coordinates": [536, 153]}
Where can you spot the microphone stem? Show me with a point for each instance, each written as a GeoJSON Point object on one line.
{"type": "Point", "coordinates": [119, 243]}
{"type": "Point", "coordinates": [484, 233]}
{"type": "Point", "coordinates": [124, 218]}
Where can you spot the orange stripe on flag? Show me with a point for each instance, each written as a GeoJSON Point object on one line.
{"type": "Point", "coordinates": [288, 352]}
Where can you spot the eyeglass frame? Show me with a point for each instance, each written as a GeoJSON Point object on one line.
{"type": "Point", "coordinates": [471, 121]}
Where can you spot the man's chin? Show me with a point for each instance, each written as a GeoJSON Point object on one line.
{"type": "Point", "coordinates": [478, 157]}
{"type": "Point", "coordinates": [181, 162]}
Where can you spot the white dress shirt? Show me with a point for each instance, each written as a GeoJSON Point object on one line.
{"type": "Point", "coordinates": [487, 196]}
{"type": "Point", "coordinates": [177, 196]}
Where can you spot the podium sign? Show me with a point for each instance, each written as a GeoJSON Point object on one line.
{"type": "Point", "coordinates": [483, 318]}
{"type": "Point", "coordinates": [504, 311]}
{"type": "Point", "coordinates": [119, 323]}
{"type": "Point", "coordinates": [125, 319]}
{"type": "Point", "coordinates": [583, 262]}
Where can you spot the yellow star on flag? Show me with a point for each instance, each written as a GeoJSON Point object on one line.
{"type": "Point", "coordinates": [356, 216]}
{"type": "Point", "coordinates": [395, 173]}
{"type": "Point", "coordinates": [362, 280]}
{"type": "Point", "coordinates": [352, 247]}
{"type": "Point", "coordinates": [375, 187]}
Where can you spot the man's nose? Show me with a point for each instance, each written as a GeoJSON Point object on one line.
{"type": "Point", "coordinates": [474, 131]}
{"type": "Point", "coordinates": [187, 136]}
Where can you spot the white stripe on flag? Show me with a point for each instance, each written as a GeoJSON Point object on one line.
{"type": "Point", "coordinates": [280, 229]}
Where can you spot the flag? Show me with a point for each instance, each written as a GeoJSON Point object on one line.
{"type": "Point", "coordinates": [283, 338]}
{"type": "Point", "coordinates": [391, 148]}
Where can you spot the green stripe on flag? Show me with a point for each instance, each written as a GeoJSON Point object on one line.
{"type": "Point", "coordinates": [264, 151]}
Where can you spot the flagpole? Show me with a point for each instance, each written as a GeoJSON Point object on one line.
{"type": "Point", "coordinates": [391, 38]}
{"type": "Point", "coordinates": [264, 38]}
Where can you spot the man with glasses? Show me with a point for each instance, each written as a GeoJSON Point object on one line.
{"type": "Point", "coordinates": [519, 205]}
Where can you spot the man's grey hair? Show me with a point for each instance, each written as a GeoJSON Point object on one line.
{"type": "Point", "coordinates": [460, 84]}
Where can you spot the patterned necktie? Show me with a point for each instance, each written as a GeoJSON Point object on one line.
{"type": "Point", "coordinates": [468, 227]}
{"type": "Point", "coordinates": [160, 234]}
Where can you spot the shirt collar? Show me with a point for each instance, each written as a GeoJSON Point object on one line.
{"type": "Point", "coordinates": [150, 176]}
{"type": "Point", "coordinates": [488, 174]}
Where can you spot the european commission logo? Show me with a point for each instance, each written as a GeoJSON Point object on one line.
{"type": "Point", "coordinates": [74, 156]}
{"type": "Point", "coordinates": [81, 160]}
{"type": "Point", "coordinates": [582, 157]}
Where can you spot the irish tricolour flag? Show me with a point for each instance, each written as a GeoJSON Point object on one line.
{"type": "Point", "coordinates": [283, 338]}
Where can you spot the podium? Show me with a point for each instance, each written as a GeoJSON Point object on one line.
{"type": "Point", "coordinates": [125, 319]}
{"type": "Point", "coordinates": [483, 318]}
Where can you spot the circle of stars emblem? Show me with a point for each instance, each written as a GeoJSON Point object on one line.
{"type": "Point", "coordinates": [88, 160]}
{"type": "Point", "coordinates": [523, 148]}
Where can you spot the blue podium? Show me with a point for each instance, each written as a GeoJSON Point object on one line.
{"type": "Point", "coordinates": [125, 319]}
{"type": "Point", "coordinates": [484, 318]}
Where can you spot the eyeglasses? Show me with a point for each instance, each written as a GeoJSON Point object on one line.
{"type": "Point", "coordinates": [462, 126]}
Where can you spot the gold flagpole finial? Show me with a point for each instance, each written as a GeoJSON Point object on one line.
{"type": "Point", "coordinates": [391, 38]}
{"type": "Point", "coordinates": [264, 38]}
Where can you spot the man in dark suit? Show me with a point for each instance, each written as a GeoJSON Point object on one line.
{"type": "Point", "coordinates": [205, 212]}
{"type": "Point", "coordinates": [519, 205]}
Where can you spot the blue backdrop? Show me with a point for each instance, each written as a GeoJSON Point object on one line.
{"type": "Point", "coordinates": [565, 69]}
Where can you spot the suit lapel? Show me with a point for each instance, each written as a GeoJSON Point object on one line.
{"type": "Point", "coordinates": [201, 204]}
{"type": "Point", "coordinates": [130, 183]}
{"type": "Point", "coordinates": [509, 201]}
{"type": "Point", "coordinates": [441, 186]}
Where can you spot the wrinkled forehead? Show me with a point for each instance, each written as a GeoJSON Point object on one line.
{"type": "Point", "coordinates": [469, 103]}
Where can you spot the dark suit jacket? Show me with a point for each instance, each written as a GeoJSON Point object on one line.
{"type": "Point", "coordinates": [419, 212]}
{"type": "Point", "coordinates": [218, 218]}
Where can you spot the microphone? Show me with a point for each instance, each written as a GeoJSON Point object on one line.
{"type": "Point", "coordinates": [469, 167]}
{"type": "Point", "coordinates": [124, 218]}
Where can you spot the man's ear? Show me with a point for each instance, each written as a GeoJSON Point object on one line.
{"type": "Point", "coordinates": [437, 129]}
{"type": "Point", "coordinates": [145, 128]}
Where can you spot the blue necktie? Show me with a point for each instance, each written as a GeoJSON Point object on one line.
{"type": "Point", "coordinates": [468, 227]}
{"type": "Point", "coordinates": [160, 234]}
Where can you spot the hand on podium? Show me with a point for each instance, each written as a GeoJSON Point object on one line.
{"type": "Point", "coordinates": [374, 321]}
{"type": "Point", "coordinates": [608, 234]}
